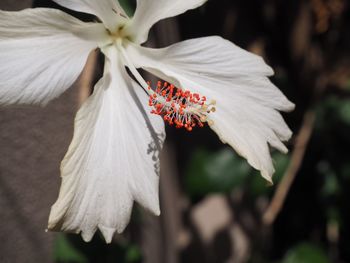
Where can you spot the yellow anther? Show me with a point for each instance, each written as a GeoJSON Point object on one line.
{"type": "Point", "coordinates": [204, 107]}
{"type": "Point", "coordinates": [203, 118]}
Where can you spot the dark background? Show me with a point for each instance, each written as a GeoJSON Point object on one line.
{"type": "Point", "coordinates": [215, 208]}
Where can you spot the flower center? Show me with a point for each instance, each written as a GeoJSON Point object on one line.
{"type": "Point", "coordinates": [118, 35]}
{"type": "Point", "coordinates": [180, 107]}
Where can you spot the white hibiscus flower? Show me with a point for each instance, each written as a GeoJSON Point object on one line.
{"type": "Point", "coordinates": [113, 158]}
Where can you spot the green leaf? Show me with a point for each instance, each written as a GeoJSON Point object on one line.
{"type": "Point", "coordinates": [344, 111]}
{"type": "Point", "coordinates": [64, 251]}
{"type": "Point", "coordinates": [331, 185]}
{"type": "Point", "coordinates": [332, 112]}
{"type": "Point", "coordinates": [133, 254]}
{"type": "Point", "coordinates": [305, 253]}
{"type": "Point", "coordinates": [129, 6]}
{"type": "Point", "coordinates": [259, 186]}
{"type": "Point", "coordinates": [347, 85]}
{"type": "Point", "coordinates": [224, 170]}
{"type": "Point", "coordinates": [220, 171]}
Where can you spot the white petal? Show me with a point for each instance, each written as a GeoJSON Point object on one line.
{"type": "Point", "coordinates": [109, 11]}
{"type": "Point", "coordinates": [247, 114]}
{"type": "Point", "coordinates": [149, 12]}
{"type": "Point", "coordinates": [42, 52]}
{"type": "Point", "coordinates": [112, 160]}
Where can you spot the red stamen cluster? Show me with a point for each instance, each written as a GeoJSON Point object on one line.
{"type": "Point", "coordinates": [178, 107]}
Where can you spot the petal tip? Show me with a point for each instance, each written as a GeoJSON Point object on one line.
{"type": "Point", "coordinates": [51, 225]}
{"type": "Point", "coordinates": [290, 106]}
{"type": "Point", "coordinates": [157, 212]}
{"type": "Point", "coordinates": [154, 208]}
{"type": "Point", "coordinates": [268, 177]}
{"type": "Point", "coordinates": [87, 235]}
{"type": "Point", "coordinates": [107, 233]}
{"type": "Point", "coordinates": [269, 70]}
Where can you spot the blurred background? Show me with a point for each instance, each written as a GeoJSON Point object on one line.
{"type": "Point", "coordinates": [215, 207]}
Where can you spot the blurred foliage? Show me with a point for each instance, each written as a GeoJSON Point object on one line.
{"type": "Point", "coordinates": [305, 253]}
{"type": "Point", "coordinates": [64, 251]}
{"type": "Point", "coordinates": [333, 111]}
{"type": "Point", "coordinates": [210, 172]}
{"type": "Point", "coordinates": [72, 249]}
{"type": "Point", "coordinates": [223, 171]}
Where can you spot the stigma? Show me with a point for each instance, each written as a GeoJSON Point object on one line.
{"type": "Point", "coordinates": [180, 107]}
